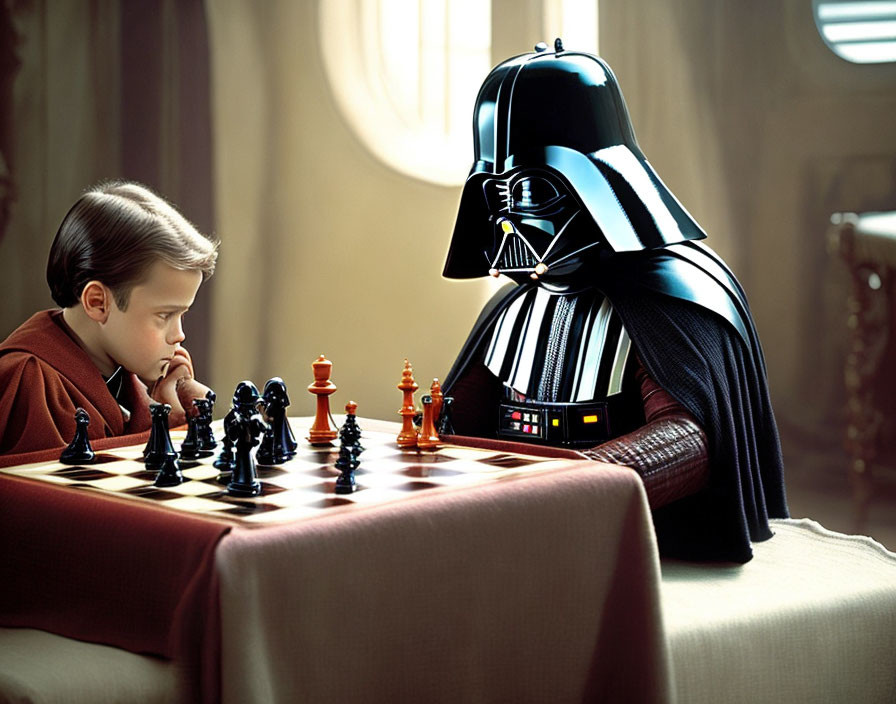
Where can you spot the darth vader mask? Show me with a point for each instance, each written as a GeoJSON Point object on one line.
{"type": "Point", "coordinates": [558, 180]}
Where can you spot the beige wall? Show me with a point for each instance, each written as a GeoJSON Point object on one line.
{"type": "Point", "coordinates": [326, 250]}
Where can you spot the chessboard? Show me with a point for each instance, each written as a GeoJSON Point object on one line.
{"type": "Point", "coordinates": [300, 488]}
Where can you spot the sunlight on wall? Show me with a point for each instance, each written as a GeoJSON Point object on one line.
{"type": "Point", "coordinates": [406, 74]}
{"type": "Point", "coordinates": [573, 20]}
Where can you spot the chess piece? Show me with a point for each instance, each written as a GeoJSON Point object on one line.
{"type": "Point", "coordinates": [169, 473]}
{"type": "Point", "coordinates": [189, 448]}
{"type": "Point", "coordinates": [159, 448]}
{"type": "Point", "coordinates": [349, 449]}
{"type": "Point", "coordinates": [346, 464]}
{"type": "Point", "coordinates": [444, 426]}
{"type": "Point", "coordinates": [79, 450]}
{"type": "Point", "coordinates": [435, 390]}
{"type": "Point", "coordinates": [226, 458]}
{"type": "Point", "coordinates": [243, 424]}
{"type": "Point", "coordinates": [428, 439]}
{"type": "Point", "coordinates": [407, 437]}
{"type": "Point", "coordinates": [205, 437]}
{"type": "Point", "coordinates": [350, 433]}
{"type": "Point", "coordinates": [278, 444]}
{"type": "Point", "coordinates": [322, 432]}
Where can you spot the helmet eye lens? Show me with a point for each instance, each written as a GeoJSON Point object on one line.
{"type": "Point", "coordinates": [532, 194]}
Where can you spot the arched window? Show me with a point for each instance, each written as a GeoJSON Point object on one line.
{"type": "Point", "coordinates": [405, 73]}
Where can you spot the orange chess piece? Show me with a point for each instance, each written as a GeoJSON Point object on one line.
{"type": "Point", "coordinates": [428, 439]}
{"type": "Point", "coordinates": [322, 432]}
{"type": "Point", "coordinates": [408, 435]}
{"type": "Point", "coordinates": [435, 390]}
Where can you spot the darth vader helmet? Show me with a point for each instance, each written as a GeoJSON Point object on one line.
{"type": "Point", "coordinates": [558, 178]}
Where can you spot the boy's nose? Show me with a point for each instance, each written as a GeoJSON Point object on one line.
{"type": "Point", "coordinates": [176, 333]}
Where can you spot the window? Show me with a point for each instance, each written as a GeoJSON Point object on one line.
{"type": "Point", "coordinates": [861, 31]}
{"type": "Point", "coordinates": [405, 73]}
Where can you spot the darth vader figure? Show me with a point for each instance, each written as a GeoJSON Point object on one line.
{"type": "Point", "coordinates": [620, 334]}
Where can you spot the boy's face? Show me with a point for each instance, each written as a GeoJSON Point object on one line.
{"type": "Point", "coordinates": [143, 338]}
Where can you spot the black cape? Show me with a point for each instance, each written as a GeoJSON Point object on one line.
{"type": "Point", "coordinates": [691, 326]}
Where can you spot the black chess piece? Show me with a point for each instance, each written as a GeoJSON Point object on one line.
{"type": "Point", "coordinates": [205, 436]}
{"type": "Point", "coordinates": [159, 448]}
{"type": "Point", "coordinates": [346, 463]}
{"type": "Point", "coordinates": [278, 444]}
{"type": "Point", "coordinates": [169, 473]}
{"type": "Point", "coordinates": [349, 449]}
{"type": "Point", "coordinates": [445, 426]}
{"type": "Point", "coordinates": [350, 432]}
{"type": "Point", "coordinates": [189, 448]}
{"type": "Point", "coordinates": [199, 441]}
{"type": "Point", "coordinates": [243, 424]}
{"type": "Point", "coordinates": [225, 461]}
{"type": "Point", "coordinates": [79, 450]}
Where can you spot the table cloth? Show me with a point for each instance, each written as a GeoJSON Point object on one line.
{"type": "Point", "coordinates": [539, 584]}
{"type": "Point", "coordinates": [812, 618]}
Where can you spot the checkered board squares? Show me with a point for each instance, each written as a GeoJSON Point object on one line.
{"type": "Point", "coordinates": [300, 488]}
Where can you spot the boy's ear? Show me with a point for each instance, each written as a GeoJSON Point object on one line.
{"type": "Point", "coordinates": [96, 299]}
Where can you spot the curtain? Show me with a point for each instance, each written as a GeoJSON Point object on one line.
{"type": "Point", "coordinates": [103, 89]}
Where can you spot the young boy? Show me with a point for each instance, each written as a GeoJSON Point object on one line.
{"type": "Point", "coordinates": [124, 268]}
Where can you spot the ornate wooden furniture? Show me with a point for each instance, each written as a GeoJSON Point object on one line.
{"type": "Point", "coordinates": [867, 244]}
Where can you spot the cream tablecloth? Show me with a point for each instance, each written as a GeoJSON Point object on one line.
{"type": "Point", "coordinates": [538, 589]}
{"type": "Point", "coordinates": [812, 618]}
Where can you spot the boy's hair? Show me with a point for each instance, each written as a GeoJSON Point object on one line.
{"type": "Point", "coordinates": [113, 234]}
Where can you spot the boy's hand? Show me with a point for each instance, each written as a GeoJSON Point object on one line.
{"type": "Point", "coordinates": [188, 390]}
{"type": "Point", "coordinates": [178, 388]}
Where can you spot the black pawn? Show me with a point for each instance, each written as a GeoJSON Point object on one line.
{"type": "Point", "coordinates": [79, 450]}
{"type": "Point", "coordinates": [159, 448]}
{"type": "Point", "coordinates": [346, 463]}
{"type": "Point", "coordinates": [189, 448]}
{"type": "Point", "coordinates": [278, 444]}
{"type": "Point", "coordinates": [169, 473]}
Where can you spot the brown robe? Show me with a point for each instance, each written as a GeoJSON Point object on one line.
{"type": "Point", "coordinates": [45, 376]}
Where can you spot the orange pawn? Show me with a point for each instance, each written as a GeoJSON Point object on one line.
{"type": "Point", "coordinates": [428, 438]}
{"type": "Point", "coordinates": [322, 432]}
{"type": "Point", "coordinates": [408, 435]}
{"type": "Point", "coordinates": [435, 390]}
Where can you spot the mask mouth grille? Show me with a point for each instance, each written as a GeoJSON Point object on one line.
{"type": "Point", "coordinates": [515, 255]}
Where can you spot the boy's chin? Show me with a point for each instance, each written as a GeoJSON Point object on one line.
{"type": "Point", "coordinates": [151, 378]}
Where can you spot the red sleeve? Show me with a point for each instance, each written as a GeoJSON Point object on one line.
{"type": "Point", "coordinates": [35, 411]}
{"type": "Point", "coordinates": [669, 451]}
